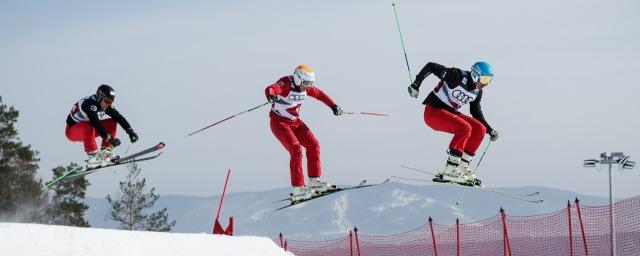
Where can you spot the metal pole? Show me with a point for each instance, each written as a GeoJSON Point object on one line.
{"type": "Point", "coordinates": [610, 159]}
{"type": "Point", "coordinates": [612, 236]}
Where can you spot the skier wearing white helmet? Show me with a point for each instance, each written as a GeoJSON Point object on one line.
{"type": "Point", "coordinates": [286, 96]}
{"type": "Point", "coordinates": [455, 89]}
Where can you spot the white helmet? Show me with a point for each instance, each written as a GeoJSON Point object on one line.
{"type": "Point", "coordinates": [303, 74]}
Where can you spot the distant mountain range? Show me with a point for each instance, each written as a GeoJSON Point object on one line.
{"type": "Point", "coordinates": [387, 209]}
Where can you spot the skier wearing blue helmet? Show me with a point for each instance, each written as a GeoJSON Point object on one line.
{"type": "Point", "coordinates": [455, 89]}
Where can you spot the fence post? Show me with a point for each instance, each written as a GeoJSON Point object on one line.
{"type": "Point", "coordinates": [281, 242]}
{"type": "Point", "coordinates": [433, 236]}
{"type": "Point", "coordinates": [584, 236]}
{"type": "Point", "coordinates": [570, 228]}
{"type": "Point", "coordinates": [355, 230]}
{"type": "Point", "coordinates": [504, 236]}
{"type": "Point", "coordinates": [506, 244]}
{"type": "Point", "coordinates": [350, 243]}
{"type": "Point", "coordinates": [457, 237]}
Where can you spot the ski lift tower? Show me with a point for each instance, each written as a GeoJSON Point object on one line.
{"type": "Point", "coordinates": [624, 163]}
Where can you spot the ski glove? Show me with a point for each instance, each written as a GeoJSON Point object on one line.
{"type": "Point", "coordinates": [413, 90]}
{"type": "Point", "coordinates": [494, 135]}
{"type": "Point", "coordinates": [114, 141]}
{"type": "Point", "coordinates": [133, 136]}
{"type": "Point", "coordinates": [272, 99]}
{"type": "Point", "coordinates": [337, 110]}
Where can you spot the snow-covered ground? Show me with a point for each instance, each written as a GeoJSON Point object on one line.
{"type": "Point", "coordinates": [35, 239]}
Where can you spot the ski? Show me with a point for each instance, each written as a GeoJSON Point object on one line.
{"type": "Point", "coordinates": [75, 176]}
{"type": "Point", "coordinates": [516, 196]}
{"type": "Point", "coordinates": [362, 184]}
{"type": "Point", "coordinates": [73, 170]}
{"type": "Point", "coordinates": [435, 174]}
{"type": "Point", "coordinates": [160, 146]}
{"type": "Point", "coordinates": [78, 171]}
{"type": "Point", "coordinates": [118, 161]}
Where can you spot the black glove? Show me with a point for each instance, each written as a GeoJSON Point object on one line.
{"type": "Point", "coordinates": [337, 110]}
{"type": "Point", "coordinates": [413, 90]}
{"type": "Point", "coordinates": [272, 99]}
{"type": "Point", "coordinates": [133, 136]}
{"type": "Point", "coordinates": [113, 141]}
{"type": "Point", "coordinates": [494, 135]}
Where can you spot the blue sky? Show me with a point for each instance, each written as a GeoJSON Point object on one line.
{"type": "Point", "coordinates": [563, 90]}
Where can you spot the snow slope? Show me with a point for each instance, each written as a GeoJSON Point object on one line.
{"type": "Point", "coordinates": [36, 239]}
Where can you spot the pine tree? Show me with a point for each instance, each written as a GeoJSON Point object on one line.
{"type": "Point", "coordinates": [65, 207]}
{"type": "Point", "coordinates": [21, 199]}
{"type": "Point", "coordinates": [129, 210]}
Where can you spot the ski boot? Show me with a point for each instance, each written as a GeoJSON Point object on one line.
{"type": "Point", "coordinates": [301, 193]}
{"type": "Point", "coordinates": [100, 158]}
{"type": "Point", "coordinates": [451, 174]}
{"type": "Point", "coordinates": [472, 179]}
{"type": "Point", "coordinates": [320, 186]}
{"type": "Point", "coordinates": [465, 168]}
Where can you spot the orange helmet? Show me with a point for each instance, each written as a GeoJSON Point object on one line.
{"type": "Point", "coordinates": [303, 74]}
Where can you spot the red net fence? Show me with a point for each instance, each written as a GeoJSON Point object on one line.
{"type": "Point", "coordinates": [574, 230]}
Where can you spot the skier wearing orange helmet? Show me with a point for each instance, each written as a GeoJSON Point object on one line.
{"type": "Point", "coordinates": [287, 96]}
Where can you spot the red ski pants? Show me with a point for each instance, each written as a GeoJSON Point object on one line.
{"type": "Point", "coordinates": [467, 131]}
{"type": "Point", "coordinates": [84, 131]}
{"type": "Point", "coordinates": [294, 135]}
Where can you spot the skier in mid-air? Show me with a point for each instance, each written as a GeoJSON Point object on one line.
{"type": "Point", "coordinates": [457, 88]}
{"type": "Point", "coordinates": [87, 121]}
{"type": "Point", "coordinates": [286, 96]}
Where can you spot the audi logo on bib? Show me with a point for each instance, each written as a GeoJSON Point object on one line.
{"type": "Point", "coordinates": [296, 97]}
{"type": "Point", "coordinates": [461, 96]}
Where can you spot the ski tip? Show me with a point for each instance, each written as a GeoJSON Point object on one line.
{"type": "Point", "coordinates": [160, 145]}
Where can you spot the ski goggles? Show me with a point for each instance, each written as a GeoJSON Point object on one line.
{"type": "Point", "coordinates": [485, 79]}
{"type": "Point", "coordinates": [108, 100]}
{"type": "Point", "coordinates": [307, 83]}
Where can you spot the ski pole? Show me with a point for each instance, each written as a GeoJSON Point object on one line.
{"type": "Point", "coordinates": [248, 110]}
{"type": "Point", "coordinates": [485, 151]}
{"type": "Point", "coordinates": [402, 41]}
{"type": "Point", "coordinates": [418, 170]}
{"type": "Point", "coordinates": [365, 113]}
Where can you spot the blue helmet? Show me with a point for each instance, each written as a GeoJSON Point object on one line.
{"type": "Point", "coordinates": [481, 71]}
